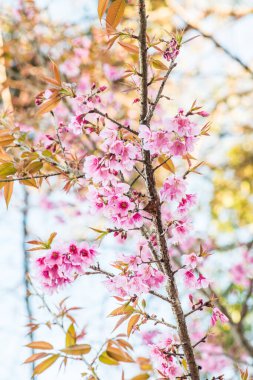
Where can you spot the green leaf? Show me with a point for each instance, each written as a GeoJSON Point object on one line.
{"type": "Point", "coordinates": [143, 376]}
{"type": "Point", "coordinates": [71, 336]}
{"type": "Point", "coordinates": [158, 65]}
{"type": "Point", "coordinates": [106, 359]}
{"type": "Point", "coordinates": [7, 169]}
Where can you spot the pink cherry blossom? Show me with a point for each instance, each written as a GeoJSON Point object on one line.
{"type": "Point", "coordinates": [190, 279]}
{"type": "Point", "coordinates": [61, 266]}
{"type": "Point", "coordinates": [217, 315]}
{"type": "Point", "coordinates": [173, 189]}
{"type": "Point", "coordinates": [192, 260]}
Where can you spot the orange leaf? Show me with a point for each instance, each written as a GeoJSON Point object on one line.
{"type": "Point", "coordinates": [40, 345]}
{"type": "Point", "coordinates": [45, 364]}
{"type": "Point", "coordinates": [143, 376]}
{"type": "Point", "coordinates": [129, 47]}
{"type": "Point", "coordinates": [78, 349]}
{"type": "Point", "coordinates": [132, 322]}
{"type": "Point", "coordinates": [111, 41]}
{"type": "Point", "coordinates": [5, 137]}
{"type": "Point", "coordinates": [120, 321]}
{"type": "Point", "coordinates": [102, 5]}
{"type": "Point", "coordinates": [124, 309]}
{"type": "Point", "coordinates": [56, 73]}
{"type": "Point", "coordinates": [115, 14]}
{"type": "Point", "coordinates": [49, 105]}
{"type": "Point", "coordinates": [29, 182]}
{"type": "Point", "coordinates": [167, 164]}
{"type": "Point", "coordinates": [118, 354]}
{"type": "Point", "coordinates": [35, 357]}
{"type": "Point", "coordinates": [8, 190]}
{"type": "Point", "coordinates": [124, 343]}
{"type": "Point", "coordinates": [49, 80]}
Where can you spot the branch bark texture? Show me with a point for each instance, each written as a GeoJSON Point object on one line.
{"type": "Point", "coordinates": [171, 286]}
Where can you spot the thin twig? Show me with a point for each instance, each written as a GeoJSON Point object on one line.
{"type": "Point", "coordinates": [106, 116]}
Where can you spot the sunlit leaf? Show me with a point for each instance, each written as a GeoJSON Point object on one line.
{"type": "Point", "coordinates": [45, 364]}
{"type": "Point", "coordinates": [167, 163]}
{"type": "Point", "coordinates": [8, 190]}
{"type": "Point", "coordinates": [244, 374]}
{"type": "Point", "coordinates": [5, 137]}
{"type": "Point", "coordinates": [48, 105]}
{"type": "Point", "coordinates": [121, 320]}
{"type": "Point", "coordinates": [35, 357]}
{"type": "Point", "coordinates": [51, 238]}
{"type": "Point", "coordinates": [71, 336]}
{"type": "Point", "coordinates": [124, 343]}
{"type": "Point", "coordinates": [102, 5]}
{"type": "Point", "coordinates": [56, 73]}
{"type": "Point", "coordinates": [106, 359]}
{"type": "Point", "coordinates": [115, 14]}
{"type": "Point", "coordinates": [125, 309]}
{"type": "Point", "coordinates": [118, 354]}
{"type": "Point", "coordinates": [142, 376]}
{"type": "Point", "coordinates": [40, 345]}
{"type": "Point", "coordinates": [34, 166]}
{"type": "Point", "coordinates": [184, 364]}
{"type": "Point", "coordinates": [158, 64]}
{"type": "Point", "coordinates": [29, 182]}
{"type": "Point", "coordinates": [78, 349]}
{"type": "Point", "coordinates": [7, 169]}
{"type": "Point", "coordinates": [132, 322]}
{"type": "Point", "coordinates": [129, 47]}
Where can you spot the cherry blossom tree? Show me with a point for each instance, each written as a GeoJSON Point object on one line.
{"type": "Point", "coordinates": [111, 157]}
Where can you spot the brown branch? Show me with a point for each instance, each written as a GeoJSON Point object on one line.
{"type": "Point", "coordinates": [106, 116]}
{"type": "Point", "coordinates": [154, 198]}
{"type": "Point", "coordinates": [28, 303]}
{"type": "Point", "coordinates": [29, 177]}
{"type": "Point", "coordinates": [97, 270]}
{"type": "Point", "coordinates": [160, 92]}
{"type": "Point", "coordinates": [245, 302]}
{"type": "Point", "coordinates": [36, 177]}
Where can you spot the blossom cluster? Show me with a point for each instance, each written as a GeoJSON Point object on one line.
{"type": "Point", "coordinates": [242, 272]}
{"type": "Point", "coordinates": [71, 66]}
{"type": "Point", "coordinates": [116, 203]}
{"type": "Point", "coordinates": [137, 275]}
{"type": "Point", "coordinates": [176, 208]}
{"type": "Point", "coordinates": [164, 353]}
{"type": "Point", "coordinates": [61, 266]}
{"type": "Point", "coordinates": [172, 50]}
{"type": "Point", "coordinates": [176, 138]}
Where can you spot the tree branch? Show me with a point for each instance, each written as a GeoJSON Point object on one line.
{"type": "Point", "coordinates": [154, 198]}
